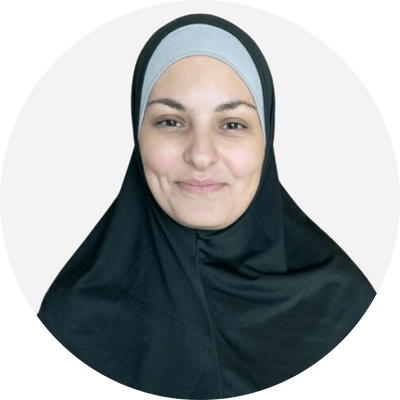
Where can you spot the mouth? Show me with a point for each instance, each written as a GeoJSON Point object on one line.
{"type": "Point", "coordinates": [200, 187]}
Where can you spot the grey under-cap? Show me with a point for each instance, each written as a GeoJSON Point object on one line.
{"type": "Point", "coordinates": [208, 40]}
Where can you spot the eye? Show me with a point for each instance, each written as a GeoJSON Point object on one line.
{"type": "Point", "coordinates": [233, 126]}
{"type": "Point", "coordinates": [170, 123]}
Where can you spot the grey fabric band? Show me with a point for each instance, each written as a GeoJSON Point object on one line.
{"type": "Point", "coordinates": [202, 39]}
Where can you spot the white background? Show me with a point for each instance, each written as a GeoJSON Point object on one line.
{"type": "Point", "coordinates": [72, 142]}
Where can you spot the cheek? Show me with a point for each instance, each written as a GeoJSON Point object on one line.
{"type": "Point", "coordinates": [161, 161]}
{"type": "Point", "coordinates": [244, 162]}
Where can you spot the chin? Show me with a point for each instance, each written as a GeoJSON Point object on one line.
{"type": "Point", "coordinates": [202, 220]}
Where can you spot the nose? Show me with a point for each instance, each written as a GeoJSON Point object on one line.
{"type": "Point", "coordinates": [201, 151]}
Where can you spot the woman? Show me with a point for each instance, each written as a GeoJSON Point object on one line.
{"type": "Point", "coordinates": [204, 279]}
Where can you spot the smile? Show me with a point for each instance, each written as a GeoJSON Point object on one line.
{"type": "Point", "coordinates": [200, 187]}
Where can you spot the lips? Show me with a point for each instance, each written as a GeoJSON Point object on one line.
{"type": "Point", "coordinates": [206, 186]}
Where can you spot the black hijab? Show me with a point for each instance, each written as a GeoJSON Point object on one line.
{"type": "Point", "coordinates": [199, 314]}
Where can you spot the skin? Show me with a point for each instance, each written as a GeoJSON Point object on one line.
{"type": "Point", "coordinates": [201, 123]}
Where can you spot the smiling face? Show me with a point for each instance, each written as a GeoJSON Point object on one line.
{"type": "Point", "coordinates": [202, 143]}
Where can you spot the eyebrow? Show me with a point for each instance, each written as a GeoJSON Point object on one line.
{"type": "Point", "coordinates": [230, 105]}
{"type": "Point", "coordinates": [169, 103]}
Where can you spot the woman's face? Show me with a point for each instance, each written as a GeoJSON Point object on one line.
{"type": "Point", "coordinates": [202, 143]}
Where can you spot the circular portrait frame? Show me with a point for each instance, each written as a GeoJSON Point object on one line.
{"type": "Point", "coordinates": [37, 356]}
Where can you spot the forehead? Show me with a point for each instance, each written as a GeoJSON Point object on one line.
{"type": "Point", "coordinates": [201, 77]}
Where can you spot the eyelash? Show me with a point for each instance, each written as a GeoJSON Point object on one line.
{"type": "Point", "coordinates": [234, 123]}
{"type": "Point", "coordinates": [164, 123]}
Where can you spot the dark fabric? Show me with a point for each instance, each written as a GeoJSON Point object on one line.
{"type": "Point", "coordinates": [199, 314]}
